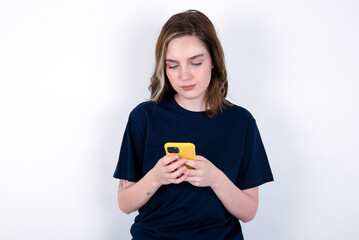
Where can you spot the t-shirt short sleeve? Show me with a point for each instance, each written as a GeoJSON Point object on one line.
{"type": "Point", "coordinates": [254, 168]}
{"type": "Point", "coordinates": [131, 153]}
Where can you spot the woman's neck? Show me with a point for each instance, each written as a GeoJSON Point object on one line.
{"type": "Point", "coordinates": [194, 105]}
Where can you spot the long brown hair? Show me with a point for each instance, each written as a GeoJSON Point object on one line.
{"type": "Point", "coordinates": [193, 23]}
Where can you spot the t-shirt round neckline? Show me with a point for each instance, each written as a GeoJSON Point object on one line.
{"type": "Point", "coordinates": [178, 107]}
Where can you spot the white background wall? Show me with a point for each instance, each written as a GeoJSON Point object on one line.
{"type": "Point", "coordinates": [71, 71]}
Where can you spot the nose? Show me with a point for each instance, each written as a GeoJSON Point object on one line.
{"type": "Point", "coordinates": [186, 73]}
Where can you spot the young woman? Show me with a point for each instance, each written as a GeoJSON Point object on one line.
{"type": "Point", "coordinates": [188, 90]}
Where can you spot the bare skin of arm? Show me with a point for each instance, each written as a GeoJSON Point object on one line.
{"type": "Point", "coordinates": [242, 204]}
{"type": "Point", "coordinates": [133, 195]}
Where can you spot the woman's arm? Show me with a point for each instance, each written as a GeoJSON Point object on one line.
{"type": "Point", "coordinates": [241, 204]}
{"type": "Point", "coordinates": [133, 195]}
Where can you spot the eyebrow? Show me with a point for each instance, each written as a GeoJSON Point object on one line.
{"type": "Point", "coordinates": [191, 58]}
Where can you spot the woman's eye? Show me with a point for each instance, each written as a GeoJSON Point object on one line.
{"type": "Point", "coordinates": [196, 64]}
{"type": "Point", "coordinates": [172, 67]}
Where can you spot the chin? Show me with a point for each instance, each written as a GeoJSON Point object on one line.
{"type": "Point", "coordinates": [191, 96]}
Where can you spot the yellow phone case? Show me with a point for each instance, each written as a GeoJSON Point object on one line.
{"type": "Point", "coordinates": [183, 150]}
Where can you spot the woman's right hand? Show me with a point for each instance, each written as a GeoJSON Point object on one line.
{"type": "Point", "coordinates": [136, 194]}
{"type": "Point", "coordinates": [169, 169]}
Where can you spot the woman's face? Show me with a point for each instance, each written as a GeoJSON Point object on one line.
{"type": "Point", "coordinates": [188, 68]}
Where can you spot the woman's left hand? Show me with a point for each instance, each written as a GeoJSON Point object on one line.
{"type": "Point", "coordinates": [203, 174]}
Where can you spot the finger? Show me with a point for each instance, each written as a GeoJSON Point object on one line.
{"type": "Point", "coordinates": [193, 179]}
{"type": "Point", "coordinates": [168, 159]}
{"type": "Point", "coordinates": [200, 158]}
{"type": "Point", "coordinates": [172, 167]}
{"type": "Point", "coordinates": [178, 172]}
{"type": "Point", "coordinates": [179, 179]}
{"type": "Point", "coordinates": [191, 172]}
{"type": "Point", "coordinates": [191, 163]}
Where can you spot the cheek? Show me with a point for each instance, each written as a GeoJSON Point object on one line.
{"type": "Point", "coordinates": [206, 75]}
{"type": "Point", "coordinates": [171, 77]}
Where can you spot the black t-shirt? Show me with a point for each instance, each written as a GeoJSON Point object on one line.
{"type": "Point", "coordinates": [230, 141]}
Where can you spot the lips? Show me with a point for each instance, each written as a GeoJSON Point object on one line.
{"type": "Point", "coordinates": [188, 87]}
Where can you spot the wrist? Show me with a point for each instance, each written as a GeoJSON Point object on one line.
{"type": "Point", "coordinates": [153, 179]}
{"type": "Point", "coordinates": [218, 178]}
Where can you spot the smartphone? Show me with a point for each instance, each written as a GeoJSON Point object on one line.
{"type": "Point", "coordinates": [183, 150]}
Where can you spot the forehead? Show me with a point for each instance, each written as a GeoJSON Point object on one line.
{"type": "Point", "coordinates": [185, 47]}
